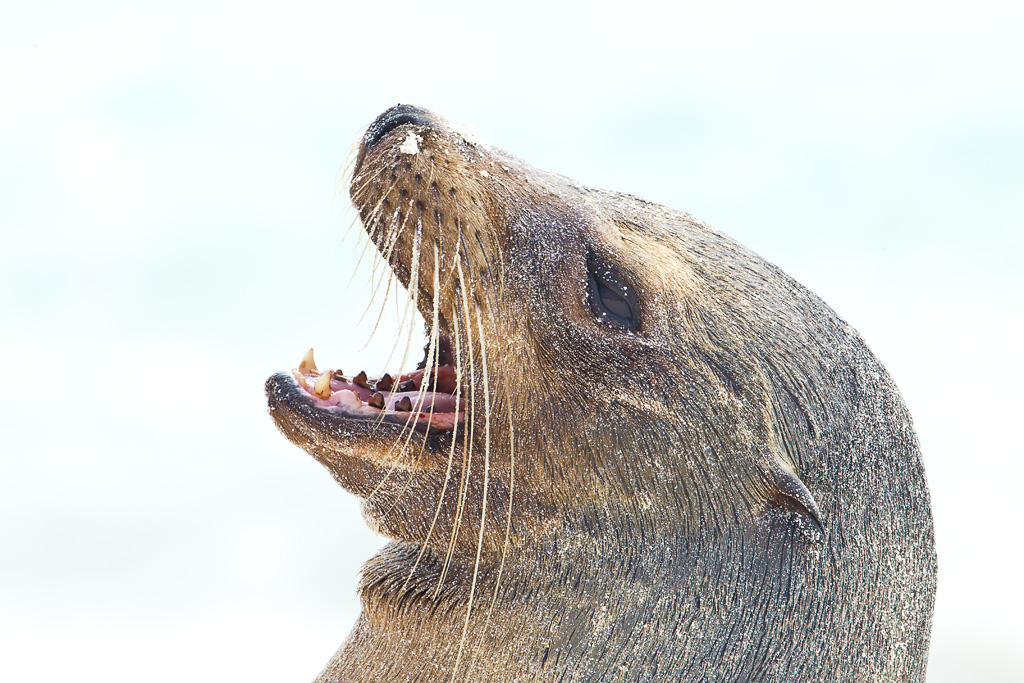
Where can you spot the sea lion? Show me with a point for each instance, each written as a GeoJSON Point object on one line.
{"type": "Point", "coordinates": [634, 450]}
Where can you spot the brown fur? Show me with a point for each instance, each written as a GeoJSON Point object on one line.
{"type": "Point", "coordinates": [732, 493]}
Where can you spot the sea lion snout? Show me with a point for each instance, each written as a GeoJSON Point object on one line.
{"type": "Point", "coordinates": [396, 116]}
{"type": "Point", "coordinates": [393, 118]}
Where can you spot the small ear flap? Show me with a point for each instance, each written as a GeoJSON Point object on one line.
{"type": "Point", "coordinates": [798, 503]}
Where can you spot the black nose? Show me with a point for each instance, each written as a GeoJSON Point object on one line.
{"type": "Point", "coordinates": [393, 118]}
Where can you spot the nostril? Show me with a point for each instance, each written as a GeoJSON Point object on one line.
{"type": "Point", "coordinates": [398, 115]}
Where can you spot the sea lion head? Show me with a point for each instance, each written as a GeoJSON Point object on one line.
{"type": "Point", "coordinates": [617, 406]}
{"type": "Point", "coordinates": [614, 364]}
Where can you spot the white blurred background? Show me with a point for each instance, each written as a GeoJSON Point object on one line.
{"type": "Point", "coordinates": [172, 234]}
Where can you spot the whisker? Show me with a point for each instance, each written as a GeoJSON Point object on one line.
{"type": "Point", "coordinates": [483, 504]}
{"type": "Point", "coordinates": [380, 313]}
{"type": "Point", "coordinates": [470, 418]}
{"type": "Point", "coordinates": [459, 373]}
{"type": "Point", "coordinates": [412, 294]}
{"type": "Point", "coordinates": [433, 350]}
{"type": "Point", "coordinates": [345, 172]}
{"type": "Point", "coordinates": [451, 449]}
{"type": "Point", "coordinates": [412, 303]}
{"type": "Point", "coordinates": [396, 228]}
{"type": "Point", "coordinates": [508, 524]}
{"type": "Point", "coordinates": [368, 226]}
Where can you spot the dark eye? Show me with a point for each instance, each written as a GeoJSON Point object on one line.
{"type": "Point", "coordinates": [611, 299]}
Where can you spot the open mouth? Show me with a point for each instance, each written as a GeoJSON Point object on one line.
{"type": "Point", "coordinates": [426, 398]}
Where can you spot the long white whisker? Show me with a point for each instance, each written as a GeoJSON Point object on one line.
{"type": "Point", "coordinates": [470, 418]}
{"type": "Point", "coordinates": [483, 504]}
{"type": "Point", "coordinates": [451, 450]}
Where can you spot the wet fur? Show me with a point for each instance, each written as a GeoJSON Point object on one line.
{"type": "Point", "coordinates": [734, 493]}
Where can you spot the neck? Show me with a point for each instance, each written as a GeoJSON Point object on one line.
{"type": "Point", "coordinates": [589, 613]}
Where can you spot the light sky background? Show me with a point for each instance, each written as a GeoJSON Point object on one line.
{"type": "Point", "coordinates": [172, 234]}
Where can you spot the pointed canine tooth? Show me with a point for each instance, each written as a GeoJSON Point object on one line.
{"type": "Point", "coordinates": [403, 404]}
{"type": "Point", "coordinates": [308, 365]}
{"type": "Point", "coordinates": [360, 380]}
{"type": "Point", "coordinates": [377, 400]}
{"type": "Point", "coordinates": [322, 388]}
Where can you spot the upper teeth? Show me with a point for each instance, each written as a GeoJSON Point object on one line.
{"type": "Point", "coordinates": [322, 388]}
{"type": "Point", "coordinates": [308, 365]}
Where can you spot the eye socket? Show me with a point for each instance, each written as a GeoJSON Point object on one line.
{"type": "Point", "coordinates": [611, 299]}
